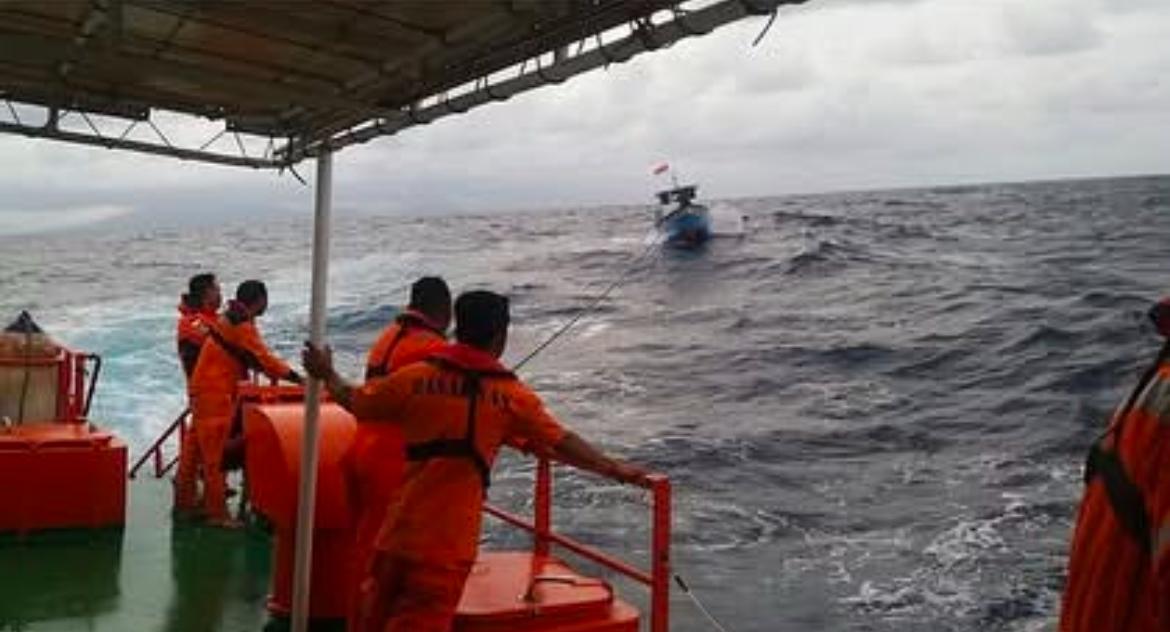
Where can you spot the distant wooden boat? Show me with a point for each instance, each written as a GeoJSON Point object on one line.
{"type": "Point", "coordinates": [687, 225]}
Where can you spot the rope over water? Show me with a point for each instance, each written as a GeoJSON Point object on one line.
{"type": "Point", "coordinates": [652, 247]}
{"type": "Point", "coordinates": [698, 604]}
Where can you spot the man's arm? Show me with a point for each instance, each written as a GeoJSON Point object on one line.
{"type": "Point", "coordinates": [575, 451]}
{"type": "Point", "coordinates": [269, 362]}
{"type": "Point", "coordinates": [534, 424]}
{"type": "Point", "coordinates": [378, 400]}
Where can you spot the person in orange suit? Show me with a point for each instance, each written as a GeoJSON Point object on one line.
{"type": "Point", "coordinates": [418, 330]}
{"type": "Point", "coordinates": [234, 348]}
{"type": "Point", "coordinates": [455, 410]}
{"type": "Point", "coordinates": [197, 311]}
{"type": "Point", "coordinates": [375, 460]}
{"type": "Point", "coordinates": [1119, 561]}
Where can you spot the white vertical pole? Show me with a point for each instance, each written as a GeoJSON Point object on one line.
{"type": "Point", "coordinates": [306, 502]}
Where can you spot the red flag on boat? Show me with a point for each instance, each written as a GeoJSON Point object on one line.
{"type": "Point", "coordinates": [661, 167]}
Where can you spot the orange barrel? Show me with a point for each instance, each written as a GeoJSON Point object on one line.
{"type": "Point", "coordinates": [273, 433]}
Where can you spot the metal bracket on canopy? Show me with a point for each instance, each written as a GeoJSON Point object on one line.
{"type": "Point", "coordinates": [359, 114]}
{"type": "Point", "coordinates": [635, 39]}
{"type": "Point", "coordinates": [45, 121]}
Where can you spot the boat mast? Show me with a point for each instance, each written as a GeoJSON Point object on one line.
{"type": "Point", "coordinates": [308, 491]}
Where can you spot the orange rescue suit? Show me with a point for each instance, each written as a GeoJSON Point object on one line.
{"type": "Point", "coordinates": [375, 460]}
{"type": "Point", "coordinates": [234, 347]}
{"type": "Point", "coordinates": [1120, 555]}
{"type": "Point", "coordinates": [190, 334]}
{"type": "Point", "coordinates": [455, 410]}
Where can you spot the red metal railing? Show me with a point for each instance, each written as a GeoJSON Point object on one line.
{"type": "Point", "coordinates": [75, 399]}
{"type": "Point", "coordinates": [250, 392]}
{"type": "Point", "coordinates": [155, 452]}
{"type": "Point", "coordinates": [658, 578]}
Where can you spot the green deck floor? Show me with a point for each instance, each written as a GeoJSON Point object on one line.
{"type": "Point", "coordinates": [145, 578]}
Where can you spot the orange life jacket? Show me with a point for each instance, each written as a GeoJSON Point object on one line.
{"type": "Point", "coordinates": [460, 447]}
{"type": "Point", "coordinates": [410, 338]}
{"type": "Point", "coordinates": [1118, 560]}
{"type": "Point", "coordinates": [455, 412]}
{"type": "Point", "coordinates": [190, 334]}
{"type": "Point", "coordinates": [376, 459]}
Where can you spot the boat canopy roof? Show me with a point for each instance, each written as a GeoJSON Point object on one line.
{"type": "Point", "coordinates": [308, 75]}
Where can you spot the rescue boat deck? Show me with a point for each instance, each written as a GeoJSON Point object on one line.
{"type": "Point", "coordinates": [154, 574]}
{"type": "Point", "coordinates": [148, 576]}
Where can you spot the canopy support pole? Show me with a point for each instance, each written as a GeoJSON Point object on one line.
{"type": "Point", "coordinates": [306, 502]}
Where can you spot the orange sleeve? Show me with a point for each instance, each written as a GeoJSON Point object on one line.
{"type": "Point", "coordinates": [250, 340]}
{"type": "Point", "coordinates": [381, 399]}
{"type": "Point", "coordinates": [531, 421]}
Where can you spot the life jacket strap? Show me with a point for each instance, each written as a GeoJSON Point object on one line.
{"type": "Point", "coordinates": [464, 447]}
{"type": "Point", "coordinates": [406, 322]}
{"type": "Point", "coordinates": [1125, 498]}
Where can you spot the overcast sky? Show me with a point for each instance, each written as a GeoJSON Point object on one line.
{"type": "Point", "coordinates": [842, 94]}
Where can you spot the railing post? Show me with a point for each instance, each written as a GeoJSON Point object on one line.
{"type": "Point", "coordinates": [64, 380]}
{"type": "Point", "coordinates": [542, 510]}
{"type": "Point", "coordinates": [85, 396]}
{"type": "Point", "coordinates": [660, 564]}
{"type": "Point", "coordinates": [155, 451]}
{"type": "Point", "coordinates": [78, 387]}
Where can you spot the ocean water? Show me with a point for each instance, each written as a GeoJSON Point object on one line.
{"type": "Point", "coordinates": [873, 406]}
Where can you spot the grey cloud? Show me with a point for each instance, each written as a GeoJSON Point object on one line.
{"type": "Point", "coordinates": [1132, 6]}
{"type": "Point", "coordinates": [839, 95]}
{"type": "Point", "coordinates": [1050, 28]}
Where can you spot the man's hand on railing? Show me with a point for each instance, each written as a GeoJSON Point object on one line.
{"type": "Point", "coordinates": [630, 473]}
{"type": "Point", "coordinates": [575, 451]}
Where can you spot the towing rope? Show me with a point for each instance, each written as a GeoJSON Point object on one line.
{"type": "Point", "coordinates": [698, 604]}
{"type": "Point", "coordinates": [652, 247]}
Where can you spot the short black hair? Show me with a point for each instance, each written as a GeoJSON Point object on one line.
{"type": "Point", "coordinates": [430, 294]}
{"type": "Point", "coordinates": [479, 316]}
{"type": "Point", "coordinates": [197, 288]}
{"type": "Point", "coordinates": [251, 291]}
{"type": "Point", "coordinates": [1160, 315]}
